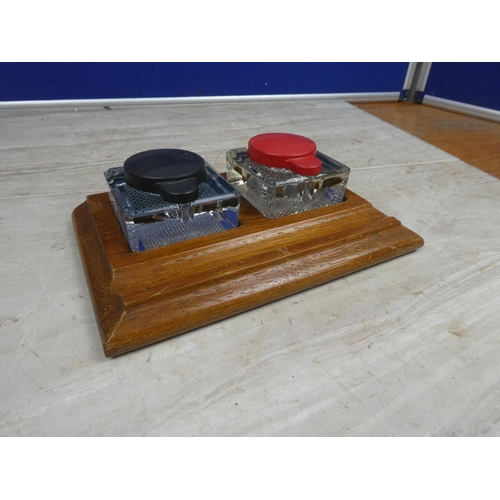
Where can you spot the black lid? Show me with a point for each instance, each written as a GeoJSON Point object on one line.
{"type": "Point", "coordinates": [174, 174]}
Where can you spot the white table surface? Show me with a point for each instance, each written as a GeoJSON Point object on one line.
{"type": "Point", "coordinates": [410, 347]}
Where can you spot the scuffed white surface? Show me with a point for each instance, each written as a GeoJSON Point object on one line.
{"type": "Point", "coordinates": [408, 347]}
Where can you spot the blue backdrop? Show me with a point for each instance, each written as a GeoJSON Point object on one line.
{"type": "Point", "coordinates": [471, 83]}
{"type": "Point", "coordinates": [41, 81]}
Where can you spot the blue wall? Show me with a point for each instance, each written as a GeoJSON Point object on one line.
{"type": "Point", "coordinates": [471, 83]}
{"type": "Point", "coordinates": [34, 81]}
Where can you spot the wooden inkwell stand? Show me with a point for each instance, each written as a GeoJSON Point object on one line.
{"type": "Point", "coordinates": [143, 297]}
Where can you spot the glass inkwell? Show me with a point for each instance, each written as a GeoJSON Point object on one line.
{"type": "Point", "coordinates": [165, 196]}
{"type": "Point", "coordinates": [282, 174]}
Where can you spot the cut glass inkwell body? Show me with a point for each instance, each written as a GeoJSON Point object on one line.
{"type": "Point", "coordinates": [282, 174]}
{"type": "Point", "coordinates": [165, 196]}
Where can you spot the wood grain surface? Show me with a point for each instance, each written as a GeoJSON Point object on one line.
{"type": "Point", "coordinates": [473, 140]}
{"type": "Point", "coordinates": [143, 297]}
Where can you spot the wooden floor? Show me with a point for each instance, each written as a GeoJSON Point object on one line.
{"type": "Point", "coordinates": [473, 140]}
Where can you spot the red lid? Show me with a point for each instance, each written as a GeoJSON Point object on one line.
{"type": "Point", "coordinates": [279, 150]}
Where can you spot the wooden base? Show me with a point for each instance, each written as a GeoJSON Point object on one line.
{"type": "Point", "coordinates": [142, 298]}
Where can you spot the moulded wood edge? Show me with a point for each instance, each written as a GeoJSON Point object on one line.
{"type": "Point", "coordinates": [127, 327]}
{"type": "Point", "coordinates": [108, 307]}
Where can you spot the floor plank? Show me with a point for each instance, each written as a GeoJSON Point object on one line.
{"type": "Point", "coordinates": [473, 140]}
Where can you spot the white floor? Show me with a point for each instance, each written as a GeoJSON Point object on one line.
{"type": "Point", "coordinates": [410, 347]}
